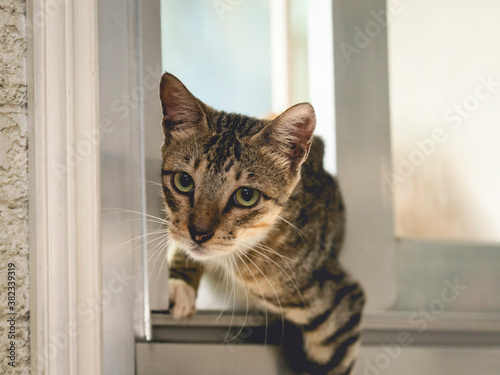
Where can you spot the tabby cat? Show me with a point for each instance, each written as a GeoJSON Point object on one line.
{"type": "Point", "coordinates": [253, 193]}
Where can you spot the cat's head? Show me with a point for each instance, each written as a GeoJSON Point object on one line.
{"type": "Point", "coordinates": [226, 177]}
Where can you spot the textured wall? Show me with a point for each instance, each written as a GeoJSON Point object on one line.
{"type": "Point", "coordinates": [13, 180]}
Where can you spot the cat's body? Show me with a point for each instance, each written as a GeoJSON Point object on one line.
{"type": "Point", "coordinates": [283, 248]}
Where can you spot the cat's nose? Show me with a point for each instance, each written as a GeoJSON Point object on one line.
{"type": "Point", "coordinates": [200, 236]}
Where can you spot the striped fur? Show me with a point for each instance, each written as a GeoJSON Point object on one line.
{"type": "Point", "coordinates": [284, 251]}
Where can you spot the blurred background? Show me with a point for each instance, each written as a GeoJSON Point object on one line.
{"type": "Point", "coordinates": [444, 78]}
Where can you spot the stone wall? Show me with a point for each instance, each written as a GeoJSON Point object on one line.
{"type": "Point", "coordinates": [13, 182]}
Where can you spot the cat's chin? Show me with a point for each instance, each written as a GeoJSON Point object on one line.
{"type": "Point", "coordinates": [201, 253]}
{"type": "Point", "coordinates": [204, 255]}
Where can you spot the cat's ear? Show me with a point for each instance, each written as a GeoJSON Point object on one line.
{"type": "Point", "coordinates": [290, 134]}
{"type": "Point", "coordinates": [181, 109]}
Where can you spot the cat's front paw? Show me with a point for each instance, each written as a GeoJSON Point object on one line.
{"type": "Point", "coordinates": [182, 298]}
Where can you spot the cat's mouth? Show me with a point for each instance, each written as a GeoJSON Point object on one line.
{"type": "Point", "coordinates": [201, 252]}
{"type": "Point", "coordinates": [198, 250]}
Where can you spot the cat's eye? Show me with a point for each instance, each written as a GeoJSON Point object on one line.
{"type": "Point", "coordinates": [246, 197]}
{"type": "Point", "coordinates": [183, 182]}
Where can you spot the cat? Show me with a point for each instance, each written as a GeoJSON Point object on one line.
{"type": "Point", "coordinates": [253, 193]}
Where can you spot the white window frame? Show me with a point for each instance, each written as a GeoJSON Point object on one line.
{"type": "Point", "coordinates": [128, 96]}
{"type": "Point", "coordinates": [364, 152]}
{"type": "Point", "coordinates": [64, 222]}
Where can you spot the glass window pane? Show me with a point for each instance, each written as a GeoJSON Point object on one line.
{"type": "Point", "coordinates": [444, 65]}
{"type": "Point", "coordinates": [220, 52]}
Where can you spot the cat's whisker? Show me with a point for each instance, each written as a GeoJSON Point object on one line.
{"type": "Point", "coordinates": [140, 246]}
{"type": "Point", "coordinates": [156, 258]}
{"type": "Point", "coordinates": [234, 298]}
{"type": "Point", "coordinates": [248, 248]}
{"type": "Point", "coordinates": [227, 284]}
{"type": "Point", "coordinates": [149, 181]}
{"type": "Point", "coordinates": [252, 247]}
{"type": "Point", "coordinates": [142, 216]}
{"type": "Point", "coordinates": [267, 259]}
{"type": "Point", "coordinates": [221, 272]}
{"type": "Point", "coordinates": [135, 239]}
{"type": "Point", "coordinates": [157, 250]}
{"type": "Point", "coordinates": [156, 253]}
{"type": "Point", "coordinates": [260, 288]}
{"type": "Point", "coordinates": [271, 250]}
{"type": "Point", "coordinates": [159, 271]}
{"type": "Point", "coordinates": [286, 273]}
{"type": "Point", "coordinates": [274, 291]}
{"type": "Point", "coordinates": [149, 221]}
{"type": "Point", "coordinates": [301, 234]}
{"type": "Point", "coordinates": [248, 302]}
{"type": "Point", "coordinates": [123, 210]}
{"type": "Point", "coordinates": [163, 248]}
{"type": "Point", "coordinates": [162, 238]}
{"type": "Point", "coordinates": [158, 225]}
{"type": "Point", "coordinates": [226, 300]}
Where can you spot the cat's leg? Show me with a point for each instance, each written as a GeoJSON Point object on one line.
{"type": "Point", "coordinates": [183, 284]}
{"type": "Point", "coordinates": [332, 338]}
